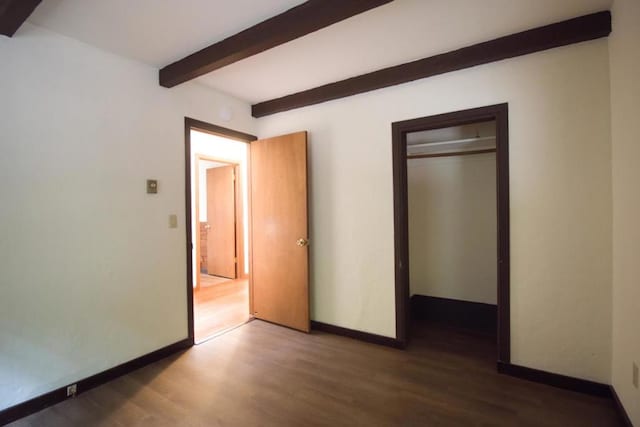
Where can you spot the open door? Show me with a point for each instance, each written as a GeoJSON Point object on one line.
{"type": "Point", "coordinates": [221, 218]}
{"type": "Point", "coordinates": [280, 256]}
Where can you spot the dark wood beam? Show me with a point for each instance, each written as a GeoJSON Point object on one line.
{"type": "Point", "coordinates": [296, 22]}
{"type": "Point", "coordinates": [588, 27]}
{"type": "Point", "coordinates": [13, 13]}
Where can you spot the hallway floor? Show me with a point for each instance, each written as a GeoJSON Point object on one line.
{"type": "Point", "coordinates": [219, 304]}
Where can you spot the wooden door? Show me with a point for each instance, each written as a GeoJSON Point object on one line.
{"type": "Point", "coordinates": [280, 257]}
{"type": "Point", "coordinates": [221, 218]}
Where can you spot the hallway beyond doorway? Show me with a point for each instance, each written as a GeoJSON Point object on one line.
{"type": "Point", "coordinates": [219, 304]}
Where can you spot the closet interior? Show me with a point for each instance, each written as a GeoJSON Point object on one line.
{"type": "Point", "coordinates": [451, 178]}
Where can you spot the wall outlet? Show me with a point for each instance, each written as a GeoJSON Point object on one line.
{"type": "Point", "coordinates": [152, 186]}
{"type": "Point", "coordinates": [72, 390]}
{"type": "Point", "coordinates": [634, 377]}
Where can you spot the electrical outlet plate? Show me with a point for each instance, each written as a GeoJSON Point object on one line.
{"type": "Point", "coordinates": [72, 390]}
{"type": "Point", "coordinates": [635, 375]}
{"type": "Point", "coordinates": [152, 186]}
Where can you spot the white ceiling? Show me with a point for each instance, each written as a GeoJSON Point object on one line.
{"type": "Point", "coordinates": [159, 32]}
{"type": "Point", "coordinates": [156, 32]}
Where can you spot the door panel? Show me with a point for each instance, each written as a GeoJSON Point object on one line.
{"type": "Point", "coordinates": [280, 261]}
{"type": "Point", "coordinates": [221, 218]}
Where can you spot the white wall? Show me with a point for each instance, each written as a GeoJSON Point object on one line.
{"type": "Point", "coordinates": [560, 165]}
{"type": "Point", "coordinates": [624, 49]}
{"type": "Point", "coordinates": [452, 227]}
{"type": "Point", "coordinates": [90, 275]}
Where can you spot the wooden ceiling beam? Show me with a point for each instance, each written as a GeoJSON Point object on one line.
{"type": "Point", "coordinates": [576, 30]}
{"type": "Point", "coordinates": [13, 13]}
{"type": "Point", "coordinates": [296, 22]}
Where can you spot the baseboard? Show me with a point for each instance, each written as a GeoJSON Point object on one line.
{"type": "Point", "coordinates": [621, 411]}
{"type": "Point", "coordinates": [43, 401]}
{"type": "Point", "coordinates": [358, 335]}
{"type": "Point", "coordinates": [461, 314]}
{"type": "Point", "coordinates": [556, 380]}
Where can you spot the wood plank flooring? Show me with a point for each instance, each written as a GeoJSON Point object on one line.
{"type": "Point", "coordinates": [264, 375]}
{"type": "Point", "coordinates": [219, 304]}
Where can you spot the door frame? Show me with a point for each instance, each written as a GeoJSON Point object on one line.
{"type": "Point", "coordinates": [238, 220]}
{"type": "Point", "coordinates": [189, 125]}
{"type": "Point", "coordinates": [499, 113]}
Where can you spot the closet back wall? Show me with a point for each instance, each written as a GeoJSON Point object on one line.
{"type": "Point", "coordinates": [452, 227]}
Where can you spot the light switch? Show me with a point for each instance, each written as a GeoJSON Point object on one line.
{"type": "Point", "coordinates": [173, 221]}
{"type": "Point", "coordinates": [152, 186]}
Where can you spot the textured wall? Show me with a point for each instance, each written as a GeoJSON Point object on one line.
{"type": "Point", "coordinates": [81, 131]}
{"type": "Point", "coordinates": [560, 165]}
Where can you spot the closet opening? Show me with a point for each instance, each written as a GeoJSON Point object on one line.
{"type": "Point", "coordinates": [451, 205]}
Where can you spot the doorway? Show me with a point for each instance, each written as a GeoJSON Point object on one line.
{"type": "Point", "coordinates": [403, 133]}
{"type": "Point", "coordinates": [221, 294]}
{"type": "Point", "coordinates": [264, 257]}
{"type": "Point", "coordinates": [219, 217]}
{"type": "Point", "coordinates": [219, 193]}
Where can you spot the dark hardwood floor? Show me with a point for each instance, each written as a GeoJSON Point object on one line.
{"type": "Point", "coordinates": [264, 375]}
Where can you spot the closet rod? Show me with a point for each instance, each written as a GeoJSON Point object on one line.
{"type": "Point", "coordinates": [454, 141]}
{"type": "Point", "coordinates": [453, 153]}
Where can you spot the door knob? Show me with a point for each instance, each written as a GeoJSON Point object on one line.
{"type": "Point", "coordinates": [302, 242]}
{"type": "Point", "coordinates": [207, 227]}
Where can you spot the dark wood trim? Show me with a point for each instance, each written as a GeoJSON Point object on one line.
{"type": "Point", "coordinates": [58, 395]}
{"type": "Point", "coordinates": [451, 154]}
{"type": "Point", "coordinates": [504, 232]}
{"type": "Point", "coordinates": [357, 335]}
{"type": "Point", "coordinates": [556, 380]}
{"type": "Point", "coordinates": [189, 125]}
{"type": "Point", "coordinates": [576, 30]}
{"type": "Point", "coordinates": [399, 131]}
{"type": "Point", "coordinates": [469, 315]}
{"type": "Point", "coordinates": [187, 200]}
{"type": "Point", "coordinates": [218, 130]}
{"type": "Point", "coordinates": [401, 230]}
{"type": "Point", "coordinates": [622, 412]}
{"type": "Point", "coordinates": [296, 22]}
{"type": "Point", "coordinates": [13, 13]}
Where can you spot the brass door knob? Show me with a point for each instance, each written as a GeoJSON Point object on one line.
{"type": "Point", "coordinates": [302, 242]}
